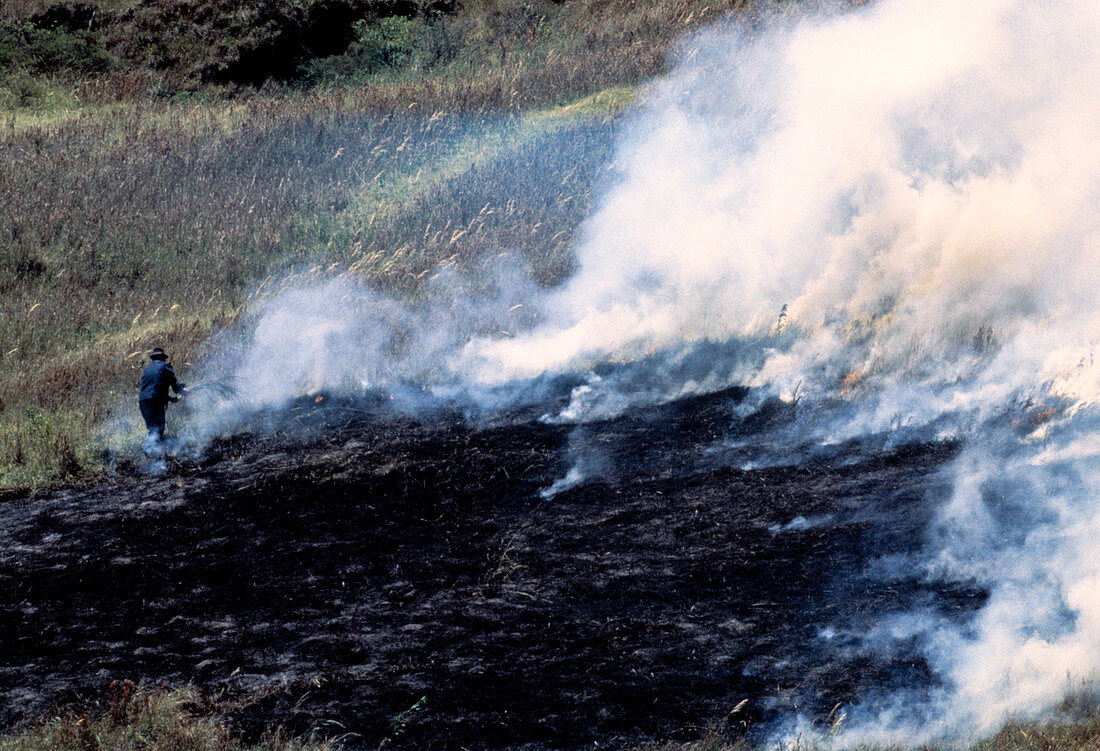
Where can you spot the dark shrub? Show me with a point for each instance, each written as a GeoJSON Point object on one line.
{"type": "Point", "coordinates": [393, 42]}
{"type": "Point", "coordinates": [68, 16]}
{"type": "Point", "coordinates": [51, 50]}
{"type": "Point", "coordinates": [247, 43]}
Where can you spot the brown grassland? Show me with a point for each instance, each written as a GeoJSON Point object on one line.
{"type": "Point", "coordinates": [136, 719]}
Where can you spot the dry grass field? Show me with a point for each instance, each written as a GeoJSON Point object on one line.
{"type": "Point", "coordinates": [143, 204]}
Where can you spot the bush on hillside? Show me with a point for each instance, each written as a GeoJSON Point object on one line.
{"type": "Point", "coordinates": [34, 49]}
{"type": "Point", "coordinates": [68, 15]}
{"type": "Point", "coordinates": [204, 41]}
{"type": "Point", "coordinates": [395, 42]}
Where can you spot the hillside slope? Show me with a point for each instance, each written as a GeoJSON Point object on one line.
{"type": "Point", "coordinates": [147, 201]}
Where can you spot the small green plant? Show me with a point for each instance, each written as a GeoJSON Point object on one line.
{"type": "Point", "coordinates": [393, 43]}
{"type": "Point", "coordinates": [401, 722]}
{"type": "Point", "coordinates": [23, 91]}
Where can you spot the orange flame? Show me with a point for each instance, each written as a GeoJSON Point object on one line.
{"type": "Point", "coordinates": [851, 382]}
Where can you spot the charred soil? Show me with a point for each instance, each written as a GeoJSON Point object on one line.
{"type": "Point", "coordinates": [382, 577]}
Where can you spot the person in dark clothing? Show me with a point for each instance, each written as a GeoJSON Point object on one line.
{"type": "Point", "coordinates": [156, 381]}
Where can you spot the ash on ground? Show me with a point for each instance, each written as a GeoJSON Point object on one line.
{"type": "Point", "coordinates": [408, 578]}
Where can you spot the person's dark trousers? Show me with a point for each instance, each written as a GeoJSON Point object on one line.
{"type": "Point", "coordinates": [153, 412]}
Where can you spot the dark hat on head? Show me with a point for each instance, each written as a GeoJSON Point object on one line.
{"type": "Point", "coordinates": [157, 354]}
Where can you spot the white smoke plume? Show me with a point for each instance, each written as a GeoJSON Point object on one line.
{"type": "Point", "coordinates": [337, 335]}
{"type": "Point", "coordinates": [918, 183]}
{"type": "Point", "coordinates": [905, 178]}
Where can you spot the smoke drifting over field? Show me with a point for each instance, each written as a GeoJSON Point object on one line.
{"type": "Point", "coordinates": [905, 179]}
{"type": "Point", "coordinates": [917, 182]}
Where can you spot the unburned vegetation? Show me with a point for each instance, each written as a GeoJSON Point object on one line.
{"type": "Point", "coordinates": [136, 718]}
{"type": "Point", "coordinates": [134, 226]}
{"type": "Point", "coordinates": [443, 54]}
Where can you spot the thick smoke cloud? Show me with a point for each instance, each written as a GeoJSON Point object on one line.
{"type": "Point", "coordinates": [339, 336]}
{"type": "Point", "coordinates": [916, 184]}
{"type": "Point", "coordinates": [907, 180]}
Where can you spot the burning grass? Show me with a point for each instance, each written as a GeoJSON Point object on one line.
{"type": "Point", "coordinates": [1053, 736]}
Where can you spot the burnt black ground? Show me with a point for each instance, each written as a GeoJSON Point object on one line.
{"type": "Point", "coordinates": [354, 564]}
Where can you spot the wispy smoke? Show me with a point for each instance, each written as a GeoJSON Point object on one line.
{"type": "Point", "coordinates": [916, 185]}
{"type": "Point", "coordinates": [338, 335]}
{"type": "Point", "coordinates": [587, 460]}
